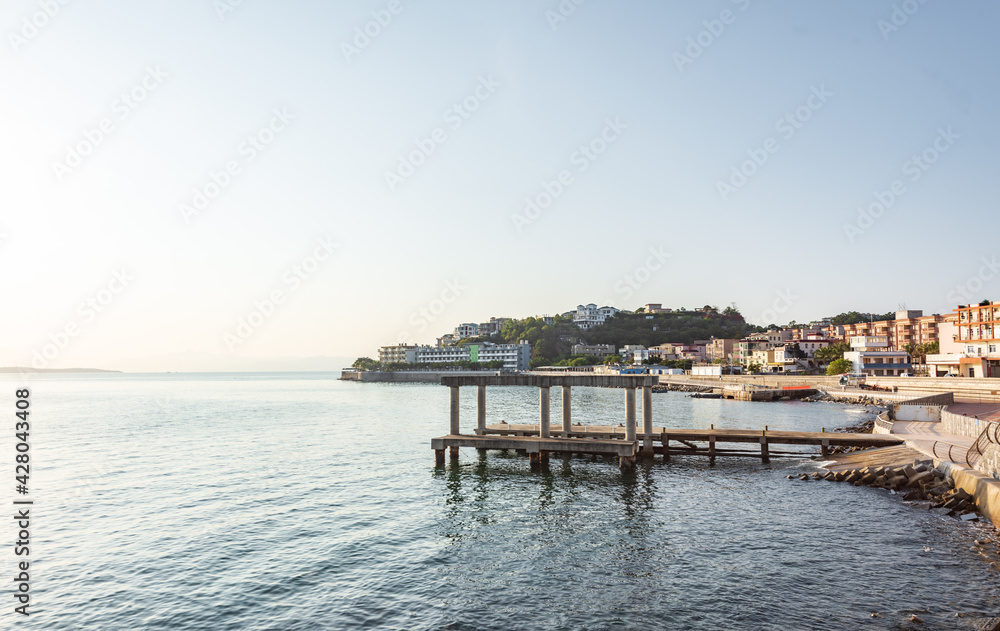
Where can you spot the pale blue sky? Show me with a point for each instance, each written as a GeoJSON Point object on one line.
{"type": "Point", "coordinates": [887, 95]}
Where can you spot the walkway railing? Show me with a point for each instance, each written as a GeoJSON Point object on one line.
{"type": "Point", "coordinates": [952, 452]}
{"type": "Point", "coordinates": [990, 434]}
{"type": "Point", "coordinates": [882, 421]}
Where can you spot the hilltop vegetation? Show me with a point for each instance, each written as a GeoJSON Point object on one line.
{"type": "Point", "coordinates": [680, 327]}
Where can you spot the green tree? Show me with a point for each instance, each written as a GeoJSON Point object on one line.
{"type": "Point", "coordinates": [831, 353]}
{"type": "Point", "coordinates": [365, 363]}
{"type": "Point", "coordinates": [839, 367]}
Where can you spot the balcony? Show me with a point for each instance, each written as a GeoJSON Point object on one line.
{"type": "Point", "coordinates": [886, 366]}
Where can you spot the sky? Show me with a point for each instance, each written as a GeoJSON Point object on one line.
{"type": "Point", "coordinates": [208, 182]}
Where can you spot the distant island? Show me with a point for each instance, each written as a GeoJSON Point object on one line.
{"type": "Point", "coordinates": [25, 369]}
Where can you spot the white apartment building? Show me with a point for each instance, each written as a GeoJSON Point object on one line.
{"type": "Point", "coordinates": [466, 329]}
{"type": "Point", "coordinates": [589, 316]}
{"type": "Point", "coordinates": [513, 356]}
{"type": "Point", "coordinates": [872, 356]}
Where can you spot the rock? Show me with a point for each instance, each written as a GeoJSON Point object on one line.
{"type": "Point", "coordinates": [803, 476]}
{"type": "Point", "coordinates": [789, 476]}
{"type": "Point", "coordinates": [923, 476]}
{"type": "Point", "coordinates": [913, 496]}
{"type": "Point", "coordinates": [909, 471]}
{"type": "Point", "coordinates": [969, 517]}
{"type": "Point", "coordinates": [916, 619]}
{"type": "Point", "coordinates": [922, 505]}
{"type": "Point", "coordinates": [816, 476]}
{"type": "Point", "coordinates": [867, 478]}
{"type": "Point", "coordinates": [920, 468]}
{"type": "Point", "coordinates": [941, 511]}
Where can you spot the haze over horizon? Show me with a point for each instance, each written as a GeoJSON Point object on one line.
{"type": "Point", "coordinates": [258, 181]}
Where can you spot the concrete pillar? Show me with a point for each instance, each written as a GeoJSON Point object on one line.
{"type": "Point", "coordinates": [711, 449]}
{"type": "Point", "coordinates": [647, 420]}
{"type": "Point", "coordinates": [629, 413]}
{"type": "Point", "coordinates": [543, 411]}
{"type": "Point", "coordinates": [439, 456]}
{"type": "Point", "coordinates": [567, 395]}
{"type": "Point", "coordinates": [455, 428]}
{"type": "Point", "coordinates": [765, 456]}
{"type": "Point", "coordinates": [481, 416]}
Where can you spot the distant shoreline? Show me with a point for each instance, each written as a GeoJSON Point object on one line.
{"type": "Point", "coordinates": [25, 369]}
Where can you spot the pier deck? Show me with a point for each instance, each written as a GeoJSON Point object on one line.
{"type": "Point", "coordinates": [627, 440]}
{"type": "Point", "coordinates": [704, 435]}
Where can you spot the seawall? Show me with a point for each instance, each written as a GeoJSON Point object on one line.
{"type": "Point", "coordinates": [409, 376]}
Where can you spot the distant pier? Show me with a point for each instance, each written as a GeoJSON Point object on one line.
{"type": "Point", "coordinates": [627, 441]}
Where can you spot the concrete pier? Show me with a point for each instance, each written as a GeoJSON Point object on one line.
{"type": "Point", "coordinates": [647, 420]}
{"type": "Point", "coordinates": [618, 439]}
{"type": "Point", "coordinates": [539, 440]}
{"type": "Point", "coordinates": [481, 409]}
{"type": "Point", "coordinates": [543, 412]}
{"type": "Point", "coordinates": [567, 411]}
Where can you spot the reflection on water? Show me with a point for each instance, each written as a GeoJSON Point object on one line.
{"type": "Point", "coordinates": [300, 502]}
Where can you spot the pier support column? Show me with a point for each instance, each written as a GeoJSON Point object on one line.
{"type": "Point", "coordinates": [647, 420]}
{"type": "Point", "coordinates": [765, 456]}
{"type": "Point", "coordinates": [824, 448]}
{"type": "Point", "coordinates": [481, 409]}
{"type": "Point", "coordinates": [630, 414]}
{"type": "Point", "coordinates": [665, 441]}
{"type": "Point", "coordinates": [711, 449]}
{"type": "Point", "coordinates": [567, 395]}
{"type": "Point", "coordinates": [543, 411]}
{"type": "Point", "coordinates": [453, 453]}
{"type": "Point", "coordinates": [455, 428]}
{"type": "Point", "coordinates": [439, 457]}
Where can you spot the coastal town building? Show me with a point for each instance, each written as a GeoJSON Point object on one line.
{"type": "Point", "coordinates": [594, 350]}
{"type": "Point", "coordinates": [719, 349]}
{"type": "Point", "coordinates": [493, 327]}
{"type": "Point", "coordinates": [514, 356]}
{"type": "Point", "coordinates": [467, 329]}
{"type": "Point", "coordinates": [655, 307]}
{"type": "Point", "coordinates": [871, 355]}
{"type": "Point", "coordinates": [589, 316]}
{"type": "Point", "coordinates": [909, 327]}
{"type": "Point", "coordinates": [395, 354]}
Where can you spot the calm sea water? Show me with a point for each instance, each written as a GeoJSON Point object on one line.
{"type": "Point", "coordinates": [296, 501]}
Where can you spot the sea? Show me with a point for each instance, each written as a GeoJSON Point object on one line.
{"type": "Point", "coordinates": [289, 501]}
